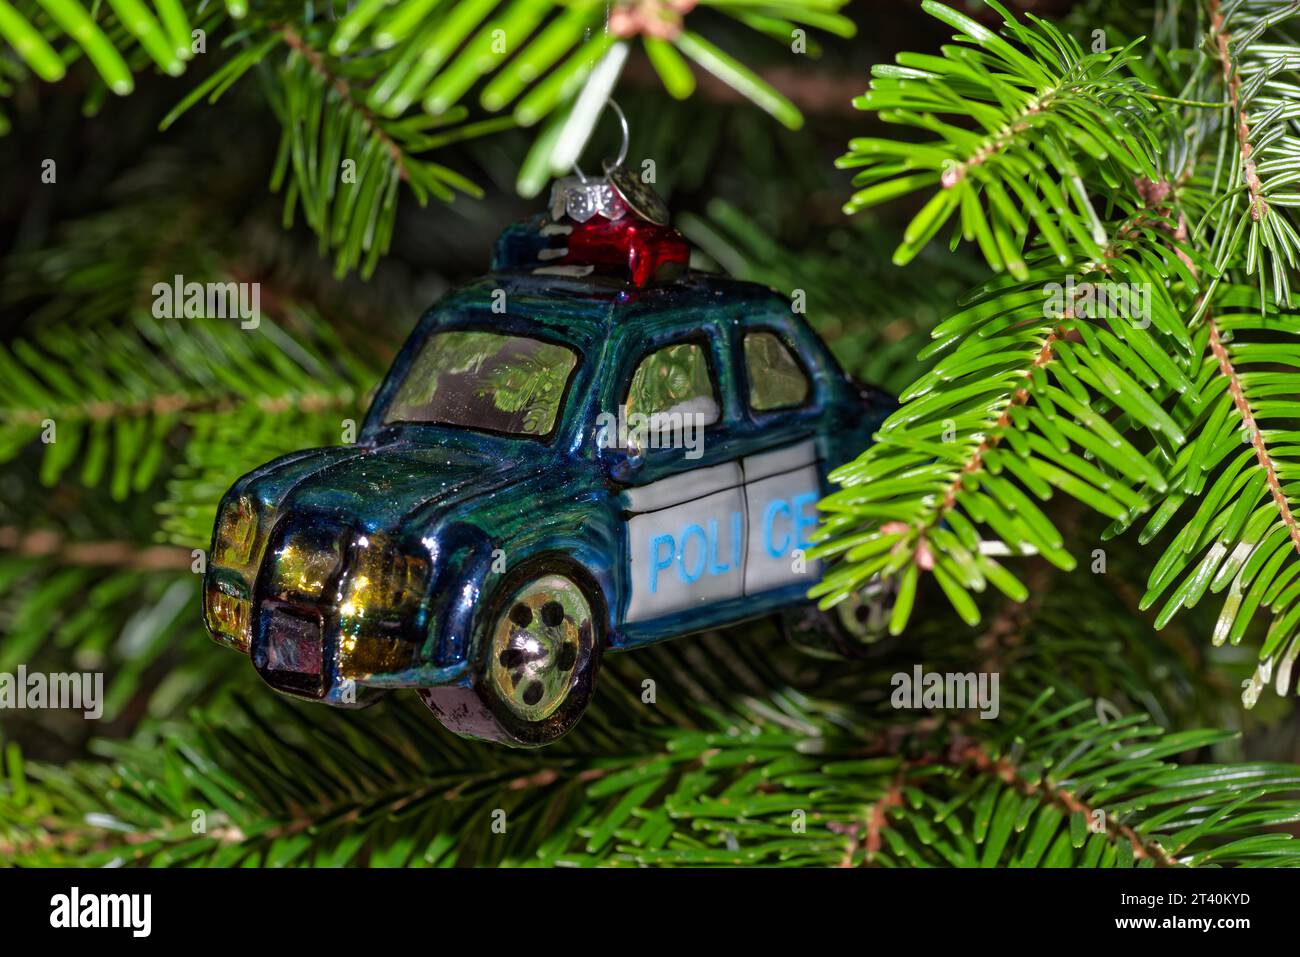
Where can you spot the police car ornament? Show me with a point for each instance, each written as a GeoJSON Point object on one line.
{"type": "Point", "coordinates": [590, 449]}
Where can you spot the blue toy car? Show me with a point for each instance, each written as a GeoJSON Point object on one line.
{"type": "Point", "coordinates": [589, 449]}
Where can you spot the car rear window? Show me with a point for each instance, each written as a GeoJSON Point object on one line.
{"type": "Point", "coordinates": [487, 381]}
{"type": "Point", "coordinates": [775, 379]}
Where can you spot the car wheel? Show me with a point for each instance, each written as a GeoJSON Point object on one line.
{"type": "Point", "coordinates": [848, 629]}
{"type": "Point", "coordinates": [537, 656]}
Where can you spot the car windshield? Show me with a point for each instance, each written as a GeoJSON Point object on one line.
{"type": "Point", "coordinates": [486, 381]}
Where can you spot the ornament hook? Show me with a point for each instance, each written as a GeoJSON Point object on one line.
{"type": "Point", "coordinates": [622, 150]}
{"type": "Point", "coordinates": [622, 122]}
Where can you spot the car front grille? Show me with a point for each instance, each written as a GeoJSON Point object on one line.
{"type": "Point", "coordinates": [289, 650]}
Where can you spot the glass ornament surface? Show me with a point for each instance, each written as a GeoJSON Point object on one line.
{"type": "Point", "coordinates": [501, 522]}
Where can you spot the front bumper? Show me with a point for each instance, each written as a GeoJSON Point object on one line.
{"type": "Point", "coordinates": [331, 615]}
{"type": "Point", "coordinates": [303, 653]}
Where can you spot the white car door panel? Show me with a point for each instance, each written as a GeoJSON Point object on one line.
{"type": "Point", "coordinates": [686, 541]}
{"type": "Point", "coordinates": [781, 491]}
{"type": "Point", "coordinates": [683, 487]}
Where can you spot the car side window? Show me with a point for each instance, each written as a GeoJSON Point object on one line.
{"type": "Point", "coordinates": [674, 379]}
{"type": "Point", "coordinates": [776, 380]}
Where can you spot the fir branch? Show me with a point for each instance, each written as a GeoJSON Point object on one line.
{"type": "Point", "coordinates": [1010, 365]}
{"type": "Point", "coordinates": [1232, 81]}
{"type": "Point", "coordinates": [1039, 100]}
{"type": "Point", "coordinates": [1252, 429]}
{"type": "Point", "coordinates": [1255, 52]}
{"type": "Point", "coordinates": [1129, 423]}
{"type": "Point", "coordinates": [1009, 772]}
{"type": "Point", "coordinates": [316, 61]}
{"type": "Point", "coordinates": [121, 407]}
{"type": "Point", "coordinates": [702, 795]}
{"type": "Point", "coordinates": [1019, 396]}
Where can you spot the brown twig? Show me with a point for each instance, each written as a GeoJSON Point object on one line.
{"type": "Point", "coordinates": [973, 753]}
{"type": "Point", "coordinates": [1258, 206]}
{"type": "Point", "coordinates": [317, 62]}
{"type": "Point", "coordinates": [993, 145]}
{"type": "Point", "coordinates": [1256, 436]}
{"type": "Point", "coordinates": [115, 554]}
{"type": "Point", "coordinates": [969, 756]}
{"type": "Point", "coordinates": [1019, 397]}
{"type": "Point", "coordinates": [172, 403]}
{"type": "Point", "coordinates": [1257, 209]}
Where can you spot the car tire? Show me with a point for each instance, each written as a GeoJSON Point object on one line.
{"type": "Point", "coordinates": [536, 656]}
{"type": "Point", "coordinates": [849, 629]}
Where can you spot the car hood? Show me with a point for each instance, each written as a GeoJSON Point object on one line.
{"type": "Point", "coordinates": [380, 489]}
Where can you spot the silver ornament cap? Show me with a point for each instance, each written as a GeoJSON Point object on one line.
{"type": "Point", "coordinates": [581, 198]}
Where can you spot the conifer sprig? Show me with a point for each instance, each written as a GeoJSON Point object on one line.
{"type": "Point", "coordinates": [1180, 409]}
{"type": "Point", "coordinates": [764, 773]}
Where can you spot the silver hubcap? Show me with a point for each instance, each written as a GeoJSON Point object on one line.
{"type": "Point", "coordinates": [544, 632]}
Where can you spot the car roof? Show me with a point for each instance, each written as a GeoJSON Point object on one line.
{"type": "Point", "coordinates": [585, 310]}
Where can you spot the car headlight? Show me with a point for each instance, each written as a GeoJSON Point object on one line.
{"type": "Point", "coordinates": [228, 613]}
{"type": "Point", "coordinates": [236, 530]}
{"type": "Point", "coordinates": [384, 582]}
{"type": "Point", "coordinates": [379, 607]}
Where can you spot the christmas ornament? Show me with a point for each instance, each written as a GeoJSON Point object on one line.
{"type": "Point", "coordinates": [589, 449]}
